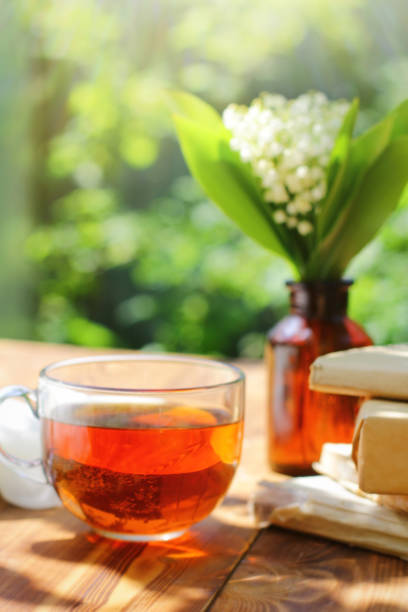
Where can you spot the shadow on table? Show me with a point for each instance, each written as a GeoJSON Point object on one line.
{"type": "Point", "coordinates": [83, 546]}
{"type": "Point", "coordinates": [58, 515]}
{"type": "Point", "coordinates": [191, 569]}
{"type": "Point", "coordinates": [16, 587]}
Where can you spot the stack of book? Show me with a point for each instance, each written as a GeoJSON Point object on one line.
{"type": "Point", "coordinates": [380, 445]}
{"type": "Point", "coordinates": [361, 496]}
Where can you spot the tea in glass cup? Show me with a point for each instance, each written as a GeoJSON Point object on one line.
{"type": "Point", "coordinates": [140, 447]}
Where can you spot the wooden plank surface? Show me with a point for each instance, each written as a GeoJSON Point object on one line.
{"type": "Point", "coordinates": [291, 572]}
{"type": "Point", "coordinates": [51, 561]}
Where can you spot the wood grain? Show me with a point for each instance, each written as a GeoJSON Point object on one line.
{"type": "Point", "coordinates": [287, 572]}
{"type": "Point", "coordinates": [51, 561]}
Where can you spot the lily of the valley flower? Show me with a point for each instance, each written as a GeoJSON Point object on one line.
{"type": "Point", "coordinates": [297, 180]}
{"type": "Point", "coordinates": [288, 144]}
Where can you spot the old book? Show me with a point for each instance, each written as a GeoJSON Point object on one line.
{"type": "Point", "coordinates": [380, 371]}
{"type": "Point", "coordinates": [321, 506]}
{"type": "Point", "coordinates": [380, 447]}
{"type": "Point", "coordinates": [336, 462]}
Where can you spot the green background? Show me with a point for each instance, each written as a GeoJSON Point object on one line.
{"type": "Point", "coordinates": [105, 240]}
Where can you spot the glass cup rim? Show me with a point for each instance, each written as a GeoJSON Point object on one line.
{"type": "Point", "coordinates": [148, 357]}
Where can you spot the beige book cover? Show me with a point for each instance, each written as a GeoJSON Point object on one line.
{"type": "Point", "coordinates": [379, 371]}
{"type": "Point", "coordinates": [380, 447]}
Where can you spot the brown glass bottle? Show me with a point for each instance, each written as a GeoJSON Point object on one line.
{"type": "Point", "coordinates": [300, 420]}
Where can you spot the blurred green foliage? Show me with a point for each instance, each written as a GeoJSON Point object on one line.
{"type": "Point", "coordinates": [123, 249]}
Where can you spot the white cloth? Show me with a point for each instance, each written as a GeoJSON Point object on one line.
{"type": "Point", "coordinates": [20, 435]}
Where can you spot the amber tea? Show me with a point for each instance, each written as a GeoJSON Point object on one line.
{"type": "Point", "coordinates": [142, 471]}
{"type": "Point", "coordinates": [139, 446]}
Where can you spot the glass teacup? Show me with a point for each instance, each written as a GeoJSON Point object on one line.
{"type": "Point", "coordinates": [139, 447]}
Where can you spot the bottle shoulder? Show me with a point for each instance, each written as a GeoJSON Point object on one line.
{"type": "Point", "coordinates": [357, 333]}
{"type": "Point", "coordinates": [295, 329]}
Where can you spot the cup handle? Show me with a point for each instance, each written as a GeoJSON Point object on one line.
{"type": "Point", "coordinates": [17, 464]}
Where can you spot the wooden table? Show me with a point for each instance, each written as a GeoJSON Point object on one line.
{"type": "Point", "coordinates": [50, 561]}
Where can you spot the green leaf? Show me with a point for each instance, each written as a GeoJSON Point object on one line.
{"type": "Point", "coordinates": [364, 213]}
{"type": "Point", "coordinates": [367, 148]}
{"type": "Point", "coordinates": [228, 182]}
{"type": "Point", "coordinates": [400, 125]}
{"type": "Point", "coordinates": [342, 142]}
{"type": "Point", "coordinates": [337, 169]}
{"type": "Point", "coordinates": [201, 113]}
{"type": "Point", "coordinates": [191, 107]}
{"type": "Point", "coordinates": [362, 154]}
{"type": "Point", "coordinates": [295, 249]}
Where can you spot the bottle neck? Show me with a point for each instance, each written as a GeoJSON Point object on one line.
{"type": "Point", "coordinates": [319, 299]}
